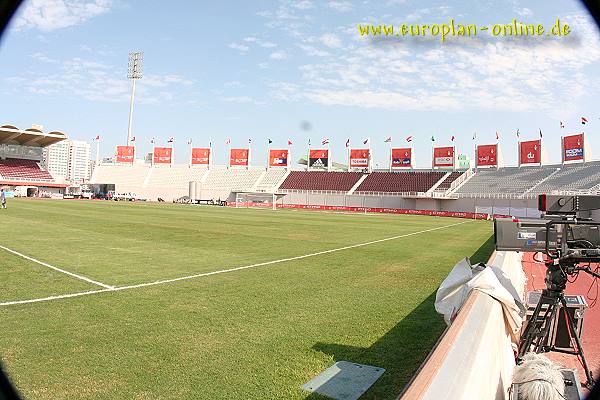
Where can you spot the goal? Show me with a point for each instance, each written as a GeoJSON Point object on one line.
{"type": "Point", "coordinates": [256, 200]}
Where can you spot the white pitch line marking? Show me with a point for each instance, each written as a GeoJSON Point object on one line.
{"type": "Point", "coordinates": [223, 271]}
{"type": "Point", "coordinates": [81, 277]}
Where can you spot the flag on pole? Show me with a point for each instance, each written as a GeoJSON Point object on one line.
{"type": "Point", "coordinates": [474, 135]}
{"type": "Point", "coordinates": [366, 141]}
{"type": "Point", "coordinates": [98, 137]}
{"type": "Point", "coordinates": [228, 141]}
{"type": "Point", "coordinates": [584, 120]}
{"type": "Point", "coordinates": [152, 140]}
{"type": "Point", "coordinates": [133, 138]}
{"type": "Point", "coordinates": [189, 141]}
{"type": "Point", "coordinates": [170, 140]}
{"type": "Point", "coordinates": [388, 140]}
{"type": "Point", "coordinates": [562, 126]}
{"type": "Point", "coordinates": [452, 138]}
{"type": "Point", "coordinates": [497, 136]}
{"type": "Point", "coordinates": [309, 142]}
{"type": "Point", "coordinates": [290, 142]}
{"type": "Point", "coordinates": [432, 139]}
{"type": "Point", "coordinates": [325, 141]}
{"type": "Point", "coordinates": [409, 139]}
{"type": "Point", "coordinates": [518, 133]}
{"type": "Point", "coordinates": [347, 143]}
{"type": "Point", "coordinates": [249, 140]}
{"type": "Point", "coordinates": [540, 133]}
{"type": "Point", "coordinates": [270, 141]}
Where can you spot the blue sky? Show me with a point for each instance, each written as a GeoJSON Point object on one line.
{"type": "Point", "coordinates": [299, 70]}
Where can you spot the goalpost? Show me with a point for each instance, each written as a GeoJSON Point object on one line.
{"type": "Point", "coordinates": [256, 200]}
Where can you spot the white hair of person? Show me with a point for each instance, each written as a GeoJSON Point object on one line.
{"type": "Point", "coordinates": [539, 378]}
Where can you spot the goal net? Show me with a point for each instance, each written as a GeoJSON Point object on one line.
{"type": "Point", "coordinates": [256, 200]}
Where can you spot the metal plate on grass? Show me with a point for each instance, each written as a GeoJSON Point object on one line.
{"type": "Point", "coordinates": [344, 380]}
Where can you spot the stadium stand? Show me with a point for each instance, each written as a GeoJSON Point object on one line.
{"type": "Point", "coordinates": [571, 177]}
{"type": "Point", "coordinates": [320, 180]}
{"type": "Point", "coordinates": [270, 180]}
{"type": "Point", "coordinates": [512, 180]}
{"type": "Point", "coordinates": [400, 182]}
{"type": "Point", "coordinates": [23, 170]}
{"type": "Point", "coordinates": [445, 185]}
{"type": "Point", "coordinates": [222, 178]}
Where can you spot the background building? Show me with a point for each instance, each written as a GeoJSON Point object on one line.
{"type": "Point", "coordinates": [68, 160]}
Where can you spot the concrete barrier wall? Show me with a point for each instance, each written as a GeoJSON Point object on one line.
{"type": "Point", "coordinates": [474, 358]}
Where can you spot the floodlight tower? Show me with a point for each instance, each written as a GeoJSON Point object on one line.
{"type": "Point", "coordinates": [134, 72]}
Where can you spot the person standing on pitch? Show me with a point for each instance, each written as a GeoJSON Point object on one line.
{"type": "Point", "coordinates": [2, 198]}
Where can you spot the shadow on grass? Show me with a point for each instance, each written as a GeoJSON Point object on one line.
{"type": "Point", "coordinates": [404, 347]}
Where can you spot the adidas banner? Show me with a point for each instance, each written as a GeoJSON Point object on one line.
{"type": "Point", "coordinates": [318, 159]}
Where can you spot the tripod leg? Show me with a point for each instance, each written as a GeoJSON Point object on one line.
{"type": "Point", "coordinates": [537, 328]}
{"type": "Point", "coordinates": [573, 335]}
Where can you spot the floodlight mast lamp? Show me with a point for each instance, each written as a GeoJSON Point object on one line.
{"type": "Point", "coordinates": [134, 72]}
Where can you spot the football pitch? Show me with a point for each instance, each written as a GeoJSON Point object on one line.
{"type": "Point", "coordinates": [105, 300]}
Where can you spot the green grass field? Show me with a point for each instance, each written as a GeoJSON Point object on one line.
{"type": "Point", "coordinates": [256, 333]}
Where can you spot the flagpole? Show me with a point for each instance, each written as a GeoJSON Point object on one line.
{"type": "Point", "coordinates": [329, 159]}
{"type": "Point", "coordinates": [308, 157]}
{"type": "Point", "coordinates": [229, 154]}
{"type": "Point", "coordinates": [289, 157]}
{"type": "Point", "coordinates": [249, 150]}
{"type": "Point", "coordinates": [391, 155]}
{"type": "Point", "coordinates": [191, 151]}
{"type": "Point", "coordinates": [370, 166]}
{"type": "Point", "coordinates": [210, 154]}
{"type": "Point", "coordinates": [98, 151]}
{"type": "Point", "coordinates": [153, 151]}
{"type": "Point", "coordinates": [268, 154]}
{"type": "Point", "coordinates": [348, 152]}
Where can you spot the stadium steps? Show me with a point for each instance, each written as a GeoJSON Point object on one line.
{"type": "Point", "coordinates": [531, 189]}
{"type": "Point", "coordinates": [148, 177]}
{"type": "Point", "coordinates": [357, 184]}
{"type": "Point", "coordinates": [258, 181]}
{"type": "Point", "coordinates": [438, 183]}
{"type": "Point", "coordinates": [468, 174]}
{"type": "Point", "coordinates": [283, 178]}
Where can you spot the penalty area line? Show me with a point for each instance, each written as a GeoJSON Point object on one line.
{"type": "Point", "coordinates": [80, 277]}
{"type": "Point", "coordinates": [223, 271]}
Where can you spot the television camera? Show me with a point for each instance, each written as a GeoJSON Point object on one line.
{"type": "Point", "coordinates": [569, 236]}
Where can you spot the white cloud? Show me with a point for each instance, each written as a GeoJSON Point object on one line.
{"type": "Point", "coordinates": [303, 4]}
{"type": "Point", "coordinates": [268, 45]}
{"type": "Point", "coordinates": [242, 48]}
{"type": "Point", "coordinates": [331, 40]}
{"type": "Point", "coordinates": [279, 55]}
{"type": "Point", "coordinates": [478, 73]}
{"type": "Point", "coordinates": [341, 6]}
{"type": "Point", "coordinates": [48, 15]}
{"type": "Point", "coordinates": [524, 12]}
{"type": "Point", "coordinates": [95, 81]}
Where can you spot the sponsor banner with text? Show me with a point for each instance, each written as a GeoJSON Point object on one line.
{"type": "Point", "coordinates": [487, 155]}
{"type": "Point", "coordinates": [573, 149]}
{"type": "Point", "coordinates": [125, 154]}
{"type": "Point", "coordinates": [200, 156]}
{"type": "Point", "coordinates": [530, 152]}
{"type": "Point", "coordinates": [359, 158]}
{"type": "Point", "coordinates": [278, 158]}
{"type": "Point", "coordinates": [402, 158]}
{"type": "Point", "coordinates": [318, 158]}
{"type": "Point", "coordinates": [162, 155]}
{"type": "Point", "coordinates": [443, 157]}
{"type": "Point", "coordinates": [239, 157]}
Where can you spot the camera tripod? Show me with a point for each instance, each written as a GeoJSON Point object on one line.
{"type": "Point", "coordinates": [536, 335]}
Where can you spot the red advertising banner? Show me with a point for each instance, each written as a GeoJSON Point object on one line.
{"type": "Point", "coordinates": [239, 157]}
{"type": "Point", "coordinates": [125, 154]}
{"type": "Point", "coordinates": [359, 158]}
{"type": "Point", "coordinates": [487, 155]}
{"type": "Point", "coordinates": [200, 156]}
{"type": "Point", "coordinates": [434, 213]}
{"type": "Point", "coordinates": [530, 152]}
{"type": "Point", "coordinates": [318, 158]}
{"type": "Point", "coordinates": [402, 158]}
{"type": "Point", "coordinates": [573, 147]}
{"type": "Point", "coordinates": [162, 155]}
{"type": "Point", "coordinates": [278, 158]}
{"type": "Point", "coordinates": [443, 156]}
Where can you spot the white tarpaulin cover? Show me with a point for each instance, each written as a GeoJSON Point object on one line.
{"type": "Point", "coordinates": [489, 279]}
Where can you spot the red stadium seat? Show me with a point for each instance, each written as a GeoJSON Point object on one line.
{"type": "Point", "coordinates": [16, 168]}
